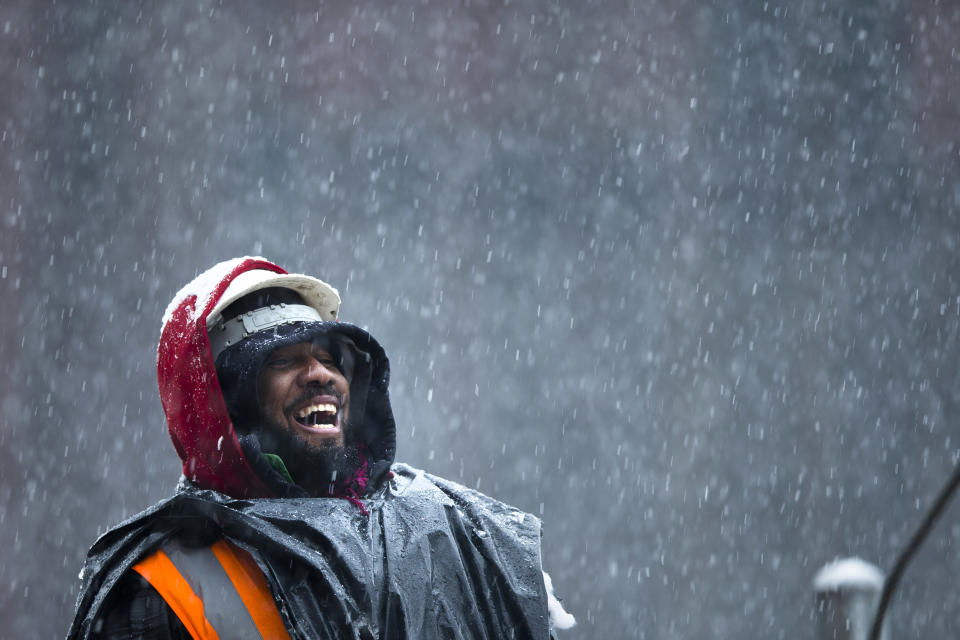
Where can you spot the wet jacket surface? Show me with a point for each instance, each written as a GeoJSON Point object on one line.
{"type": "Point", "coordinates": [423, 558]}
{"type": "Point", "coordinates": [431, 560]}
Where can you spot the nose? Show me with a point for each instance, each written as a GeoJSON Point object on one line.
{"type": "Point", "coordinates": [315, 372]}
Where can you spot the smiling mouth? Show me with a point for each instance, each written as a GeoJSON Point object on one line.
{"type": "Point", "coordinates": [318, 417]}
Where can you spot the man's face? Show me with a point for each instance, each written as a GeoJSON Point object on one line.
{"type": "Point", "coordinates": [304, 397]}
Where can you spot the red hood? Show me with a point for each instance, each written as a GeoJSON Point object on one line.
{"type": "Point", "coordinates": [197, 417]}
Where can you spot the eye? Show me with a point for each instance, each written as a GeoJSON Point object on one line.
{"type": "Point", "coordinates": [325, 358]}
{"type": "Point", "coordinates": [279, 363]}
{"type": "Point", "coordinates": [330, 365]}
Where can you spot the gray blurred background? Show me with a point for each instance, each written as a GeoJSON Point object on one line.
{"type": "Point", "coordinates": [678, 277]}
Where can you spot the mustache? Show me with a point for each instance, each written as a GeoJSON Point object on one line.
{"type": "Point", "coordinates": [316, 390]}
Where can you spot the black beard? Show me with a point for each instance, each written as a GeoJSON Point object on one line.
{"type": "Point", "coordinates": [316, 469]}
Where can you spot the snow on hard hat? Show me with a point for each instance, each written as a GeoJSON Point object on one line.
{"type": "Point", "coordinates": [315, 292]}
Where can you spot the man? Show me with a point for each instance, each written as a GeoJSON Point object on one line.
{"type": "Point", "coordinates": [291, 519]}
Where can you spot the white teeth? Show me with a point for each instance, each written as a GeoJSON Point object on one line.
{"type": "Point", "coordinates": [324, 408]}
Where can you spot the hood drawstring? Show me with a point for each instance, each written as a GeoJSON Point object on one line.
{"type": "Point", "coordinates": [354, 486]}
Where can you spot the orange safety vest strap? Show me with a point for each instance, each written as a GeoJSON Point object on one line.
{"type": "Point", "coordinates": [159, 571]}
{"type": "Point", "coordinates": [216, 591]}
{"type": "Point", "coordinates": [253, 589]}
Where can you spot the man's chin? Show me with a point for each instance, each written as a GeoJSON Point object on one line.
{"type": "Point", "coordinates": [320, 443]}
{"type": "Point", "coordinates": [314, 463]}
{"type": "Point", "coordinates": [318, 469]}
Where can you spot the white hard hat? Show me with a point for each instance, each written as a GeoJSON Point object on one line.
{"type": "Point", "coordinates": [315, 292]}
{"type": "Point", "coordinates": [321, 303]}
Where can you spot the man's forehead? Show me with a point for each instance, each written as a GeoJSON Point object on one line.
{"type": "Point", "coordinates": [319, 344]}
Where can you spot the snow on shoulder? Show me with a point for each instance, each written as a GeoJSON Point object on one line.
{"type": "Point", "coordinates": [848, 573]}
{"type": "Point", "coordinates": [203, 286]}
{"type": "Point", "coordinates": [559, 618]}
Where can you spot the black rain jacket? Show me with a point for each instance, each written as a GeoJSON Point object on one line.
{"type": "Point", "coordinates": [428, 559]}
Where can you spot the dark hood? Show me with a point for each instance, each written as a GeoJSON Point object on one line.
{"type": "Point", "coordinates": [216, 455]}
{"type": "Point", "coordinates": [371, 425]}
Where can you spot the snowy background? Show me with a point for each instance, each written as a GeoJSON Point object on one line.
{"type": "Point", "coordinates": [679, 277]}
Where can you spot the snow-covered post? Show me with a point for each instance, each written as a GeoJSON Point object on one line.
{"type": "Point", "coordinates": [847, 593]}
